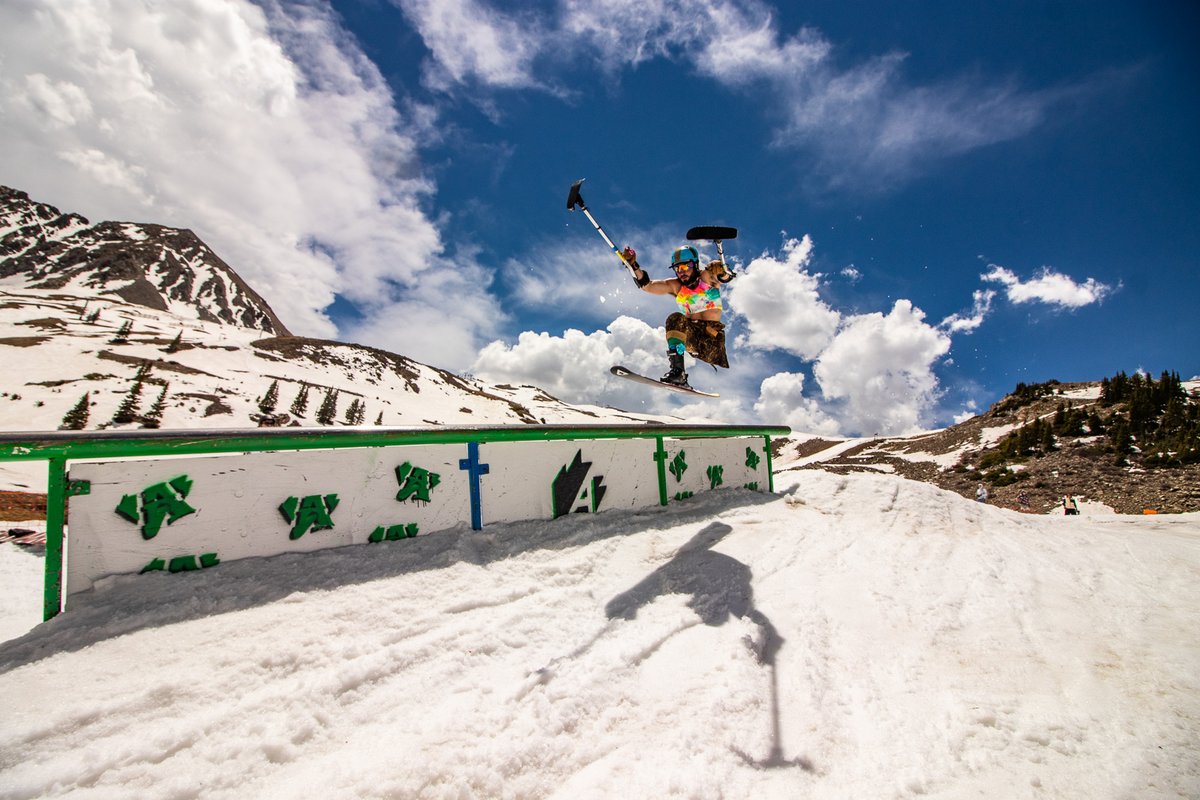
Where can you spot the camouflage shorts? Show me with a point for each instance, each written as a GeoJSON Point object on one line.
{"type": "Point", "coordinates": [703, 339]}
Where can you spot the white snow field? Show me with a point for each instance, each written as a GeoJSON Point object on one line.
{"type": "Point", "coordinates": [856, 636]}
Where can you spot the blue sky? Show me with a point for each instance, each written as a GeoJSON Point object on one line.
{"type": "Point", "coordinates": [935, 200]}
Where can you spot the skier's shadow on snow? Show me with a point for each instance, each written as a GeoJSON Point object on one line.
{"type": "Point", "coordinates": [720, 589]}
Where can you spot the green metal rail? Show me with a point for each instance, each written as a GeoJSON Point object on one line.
{"type": "Point", "coordinates": [59, 447]}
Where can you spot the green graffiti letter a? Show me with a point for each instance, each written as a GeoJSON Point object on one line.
{"type": "Point", "coordinates": [156, 504]}
{"type": "Point", "coordinates": [716, 476]}
{"type": "Point", "coordinates": [313, 512]}
{"type": "Point", "coordinates": [415, 483]}
{"type": "Point", "coordinates": [678, 466]}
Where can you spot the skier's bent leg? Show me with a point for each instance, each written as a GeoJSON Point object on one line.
{"type": "Point", "coordinates": [676, 347]}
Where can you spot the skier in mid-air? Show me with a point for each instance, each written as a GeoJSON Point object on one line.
{"type": "Point", "coordinates": [696, 327]}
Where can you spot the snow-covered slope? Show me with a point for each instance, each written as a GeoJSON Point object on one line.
{"type": "Point", "coordinates": [53, 354]}
{"type": "Point", "coordinates": [860, 636]}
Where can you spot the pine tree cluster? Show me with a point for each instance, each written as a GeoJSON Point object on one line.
{"type": "Point", "coordinates": [1157, 419]}
{"type": "Point", "coordinates": [1026, 394]}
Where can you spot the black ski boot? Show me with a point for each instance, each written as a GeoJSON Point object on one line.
{"type": "Point", "coordinates": [676, 377]}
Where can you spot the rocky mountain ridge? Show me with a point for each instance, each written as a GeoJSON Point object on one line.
{"type": "Point", "coordinates": [1082, 463]}
{"type": "Point", "coordinates": [166, 269]}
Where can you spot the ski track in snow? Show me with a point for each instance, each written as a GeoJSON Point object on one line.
{"type": "Point", "coordinates": [857, 636]}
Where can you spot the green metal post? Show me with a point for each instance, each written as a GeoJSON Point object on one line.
{"type": "Point", "coordinates": [56, 502]}
{"type": "Point", "coordinates": [660, 455]}
{"type": "Point", "coordinates": [770, 470]}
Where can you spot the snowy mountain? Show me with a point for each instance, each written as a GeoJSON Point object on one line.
{"type": "Point", "coordinates": [147, 316]}
{"type": "Point", "coordinates": [160, 268]}
{"type": "Point", "coordinates": [58, 346]}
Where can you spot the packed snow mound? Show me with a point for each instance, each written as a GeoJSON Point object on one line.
{"type": "Point", "coordinates": [858, 636]}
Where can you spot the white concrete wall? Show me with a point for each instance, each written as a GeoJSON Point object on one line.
{"type": "Point", "coordinates": [236, 501]}
{"type": "Point", "coordinates": [522, 477]}
{"type": "Point", "coordinates": [215, 509]}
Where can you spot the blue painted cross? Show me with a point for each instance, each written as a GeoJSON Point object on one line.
{"type": "Point", "coordinates": [474, 471]}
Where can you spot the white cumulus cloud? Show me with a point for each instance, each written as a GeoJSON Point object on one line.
{"type": "Point", "coordinates": [574, 367]}
{"type": "Point", "coordinates": [262, 127]}
{"type": "Point", "coordinates": [1047, 286]}
{"type": "Point", "coordinates": [778, 300]}
{"type": "Point", "coordinates": [782, 400]}
{"type": "Point", "coordinates": [879, 370]}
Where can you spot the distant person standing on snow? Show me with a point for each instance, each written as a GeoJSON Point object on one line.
{"type": "Point", "coordinates": [981, 493]}
{"type": "Point", "coordinates": [1023, 500]}
{"type": "Point", "coordinates": [1072, 509]}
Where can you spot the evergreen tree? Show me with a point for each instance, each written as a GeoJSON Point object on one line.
{"type": "Point", "coordinates": [176, 343]}
{"type": "Point", "coordinates": [328, 410]}
{"type": "Point", "coordinates": [355, 412]}
{"type": "Point", "coordinates": [128, 410]}
{"type": "Point", "coordinates": [266, 403]}
{"type": "Point", "coordinates": [379, 419]}
{"type": "Point", "coordinates": [1115, 390]}
{"type": "Point", "coordinates": [1027, 439]}
{"type": "Point", "coordinates": [153, 418]}
{"type": "Point", "coordinates": [1172, 418]}
{"type": "Point", "coordinates": [92, 317]}
{"type": "Point", "coordinates": [77, 418]}
{"type": "Point", "coordinates": [122, 335]}
{"type": "Point", "coordinates": [1046, 439]}
{"type": "Point", "coordinates": [1120, 440]}
{"type": "Point", "coordinates": [1141, 413]}
{"type": "Point", "coordinates": [300, 404]}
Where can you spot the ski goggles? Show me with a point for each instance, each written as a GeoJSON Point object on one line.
{"type": "Point", "coordinates": [684, 265]}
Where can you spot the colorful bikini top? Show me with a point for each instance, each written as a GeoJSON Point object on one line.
{"type": "Point", "coordinates": [700, 297]}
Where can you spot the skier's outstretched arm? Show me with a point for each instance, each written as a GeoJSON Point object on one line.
{"type": "Point", "coordinates": [669, 286]}
{"type": "Point", "coordinates": [642, 279]}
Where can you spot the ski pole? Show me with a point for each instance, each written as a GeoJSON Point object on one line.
{"type": "Point", "coordinates": [575, 200]}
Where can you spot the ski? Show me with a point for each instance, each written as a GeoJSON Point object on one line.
{"type": "Point", "coordinates": [622, 372]}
